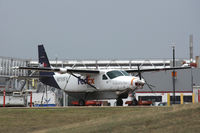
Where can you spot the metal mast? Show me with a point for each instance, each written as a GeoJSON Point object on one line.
{"type": "Point", "coordinates": [173, 75]}
{"type": "Point", "coordinates": [191, 48]}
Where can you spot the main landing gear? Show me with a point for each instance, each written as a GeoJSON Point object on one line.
{"type": "Point", "coordinates": [119, 102]}
{"type": "Point", "coordinates": [81, 102]}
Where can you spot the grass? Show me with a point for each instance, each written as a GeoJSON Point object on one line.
{"type": "Point", "coordinates": [179, 118]}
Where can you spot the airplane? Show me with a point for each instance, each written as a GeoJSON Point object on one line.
{"type": "Point", "coordinates": [91, 84]}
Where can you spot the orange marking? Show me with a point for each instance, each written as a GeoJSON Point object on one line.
{"type": "Point", "coordinates": [132, 81]}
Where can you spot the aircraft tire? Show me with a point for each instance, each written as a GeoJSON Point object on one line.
{"type": "Point", "coordinates": [135, 102]}
{"type": "Point", "coordinates": [81, 102]}
{"type": "Point", "coordinates": [119, 102]}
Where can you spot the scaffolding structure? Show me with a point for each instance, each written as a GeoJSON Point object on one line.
{"type": "Point", "coordinates": [7, 64]}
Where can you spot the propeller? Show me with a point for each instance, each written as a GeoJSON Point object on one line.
{"type": "Point", "coordinates": [139, 72]}
{"type": "Point", "coordinates": [140, 76]}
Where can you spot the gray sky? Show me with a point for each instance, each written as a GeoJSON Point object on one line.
{"type": "Point", "coordinates": [99, 29]}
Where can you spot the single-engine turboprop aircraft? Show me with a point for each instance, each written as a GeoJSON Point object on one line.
{"type": "Point", "coordinates": [87, 84]}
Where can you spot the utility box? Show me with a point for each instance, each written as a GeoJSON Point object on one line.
{"type": "Point", "coordinates": [43, 99]}
{"type": "Point", "coordinates": [12, 101]}
{"type": "Point", "coordinates": [196, 91]}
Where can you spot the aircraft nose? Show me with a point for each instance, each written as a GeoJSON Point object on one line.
{"type": "Point", "coordinates": [139, 84]}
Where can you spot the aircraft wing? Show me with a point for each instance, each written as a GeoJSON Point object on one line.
{"type": "Point", "coordinates": [60, 70]}
{"type": "Point", "coordinates": [29, 77]}
{"type": "Point", "coordinates": [83, 71]}
{"type": "Point", "coordinates": [156, 69]}
{"type": "Point", "coordinates": [24, 77]}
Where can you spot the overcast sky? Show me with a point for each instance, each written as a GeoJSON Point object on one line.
{"type": "Point", "coordinates": [99, 29]}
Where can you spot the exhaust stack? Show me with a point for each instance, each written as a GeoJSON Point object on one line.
{"type": "Point", "coordinates": [191, 48]}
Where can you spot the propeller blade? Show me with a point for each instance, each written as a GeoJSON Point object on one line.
{"type": "Point", "coordinates": [139, 73]}
{"type": "Point", "coordinates": [140, 76]}
{"type": "Point", "coordinates": [149, 85]}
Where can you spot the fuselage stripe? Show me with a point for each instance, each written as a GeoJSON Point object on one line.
{"type": "Point", "coordinates": [132, 81]}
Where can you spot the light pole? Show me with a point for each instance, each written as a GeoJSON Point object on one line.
{"type": "Point", "coordinates": [173, 75]}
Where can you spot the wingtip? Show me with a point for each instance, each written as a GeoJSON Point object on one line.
{"type": "Point", "coordinates": [15, 67]}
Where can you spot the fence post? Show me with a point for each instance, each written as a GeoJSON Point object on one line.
{"type": "Point", "coordinates": [181, 98]}
{"type": "Point", "coordinates": [4, 98]}
{"type": "Point", "coordinates": [168, 99]}
{"type": "Point", "coordinates": [193, 98]}
{"type": "Point", "coordinates": [31, 99]}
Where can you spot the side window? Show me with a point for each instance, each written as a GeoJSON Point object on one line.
{"type": "Point", "coordinates": [104, 77]}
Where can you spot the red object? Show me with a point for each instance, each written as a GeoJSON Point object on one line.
{"type": "Point", "coordinates": [193, 64]}
{"type": "Point", "coordinates": [198, 95]}
{"type": "Point", "coordinates": [31, 100]}
{"type": "Point", "coordinates": [144, 102]}
{"type": "Point", "coordinates": [190, 64]}
{"type": "Point", "coordinates": [44, 64]}
{"type": "Point", "coordinates": [75, 102]}
{"type": "Point", "coordinates": [87, 103]}
{"type": "Point", "coordinates": [94, 103]}
{"type": "Point", "coordinates": [140, 102]}
{"type": "Point", "coordinates": [174, 74]}
{"type": "Point", "coordinates": [129, 102]}
{"type": "Point", "coordinates": [164, 92]}
{"type": "Point", "coordinates": [4, 98]}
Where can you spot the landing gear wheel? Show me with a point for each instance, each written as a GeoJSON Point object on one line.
{"type": "Point", "coordinates": [119, 102]}
{"type": "Point", "coordinates": [81, 102]}
{"type": "Point", "coordinates": [135, 102]}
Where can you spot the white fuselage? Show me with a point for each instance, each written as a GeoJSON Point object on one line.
{"type": "Point", "coordinates": [70, 83]}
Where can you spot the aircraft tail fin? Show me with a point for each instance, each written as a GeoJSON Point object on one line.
{"type": "Point", "coordinates": [43, 59]}
{"type": "Point", "coordinates": [45, 77]}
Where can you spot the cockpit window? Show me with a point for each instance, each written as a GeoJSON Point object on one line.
{"type": "Point", "coordinates": [125, 73]}
{"type": "Point", "coordinates": [114, 74]}
{"type": "Point", "coordinates": [104, 77]}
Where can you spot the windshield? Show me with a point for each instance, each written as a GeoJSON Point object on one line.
{"type": "Point", "coordinates": [114, 74]}
{"type": "Point", "coordinates": [125, 73]}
